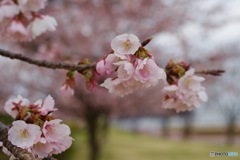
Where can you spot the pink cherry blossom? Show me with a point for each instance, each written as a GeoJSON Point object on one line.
{"type": "Point", "coordinates": [17, 31]}
{"type": "Point", "coordinates": [41, 24]}
{"type": "Point", "coordinates": [187, 94]}
{"type": "Point", "coordinates": [134, 75]}
{"type": "Point", "coordinates": [121, 88]}
{"type": "Point", "coordinates": [45, 106]}
{"type": "Point", "coordinates": [100, 67]}
{"type": "Point", "coordinates": [61, 145]}
{"type": "Point", "coordinates": [125, 70]}
{"type": "Point", "coordinates": [67, 90]}
{"type": "Point", "coordinates": [67, 87]}
{"type": "Point", "coordinates": [24, 135]}
{"type": "Point", "coordinates": [125, 44]}
{"type": "Point", "coordinates": [11, 106]}
{"type": "Point", "coordinates": [42, 148]}
{"type": "Point", "coordinates": [172, 101]}
{"type": "Point", "coordinates": [54, 131]}
{"type": "Point", "coordinates": [190, 82]}
{"type": "Point", "coordinates": [148, 72]}
{"type": "Point", "coordinates": [194, 98]}
{"type": "Point", "coordinates": [8, 10]}
{"type": "Point", "coordinates": [106, 65]}
{"type": "Point", "coordinates": [31, 5]}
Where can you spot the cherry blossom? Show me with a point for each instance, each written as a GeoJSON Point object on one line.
{"type": "Point", "coordinates": [45, 106]}
{"type": "Point", "coordinates": [147, 71]}
{"type": "Point", "coordinates": [106, 65]}
{"type": "Point", "coordinates": [61, 145]}
{"type": "Point", "coordinates": [24, 135]}
{"type": "Point", "coordinates": [41, 24]}
{"type": "Point", "coordinates": [17, 30]}
{"type": "Point", "coordinates": [37, 131]}
{"type": "Point", "coordinates": [190, 82]}
{"type": "Point", "coordinates": [31, 5]}
{"type": "Point", "coordinates": [21, 21]}
{"type": "Point", "coordinates": [125, 44]}
{"type": "Point", "coordinates": [172, 101]}
{"type": "Point", "coordinates": [12, 105]}
{"type": "Point", "coordinates": [187, 94]}
{"type": "Point", "coordinates": [42, 148]}
{"type": "Point", "coordinates": [117, 87]}
{"type": "Point", "coordinates": [100, 67]}
{"type": "Point", "coordinates": [67, 89]}
{"type": "Point", "coordinates": [54, 131]}
{"type": "Point", "coordinates": [125, 70]}
{"type": "Point", "coordinates": [135, 67]}
{"type": "Point", "coordinates": [8, 10]}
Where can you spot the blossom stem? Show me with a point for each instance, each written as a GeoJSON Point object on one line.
{"type": "Point", "coordinates": [144, 43]}
{"type": "Point", "coordinates": [211, 72]}
{"type": "Point", "coordinates": [44, 63]}
{"type": "Point", "coordinates": [21, 154]}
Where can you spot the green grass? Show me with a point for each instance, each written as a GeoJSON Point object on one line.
{"type": "Point", "coordinates": [122, 145]}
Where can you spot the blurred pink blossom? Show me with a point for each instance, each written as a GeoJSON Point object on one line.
{"type": "Point", "coordinates": [8, 10]}
{"type": "Point", "coordinates": [17, 31]}
{"type": "Point", "coordinates": [187, 94]}
{"type": "Point", "coordinates": [190, 82]}
{"type": "Point", "coordinates": [31, 5]}
{"type": "Point", "coordinates": [41, 24]}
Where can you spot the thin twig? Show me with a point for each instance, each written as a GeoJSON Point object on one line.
{"type": "Point", "coordinates": [144, 43]}
{"type": "Point", "coordinates": [211, 72]}
{"type": "Point", "coordinates": [44, 63]}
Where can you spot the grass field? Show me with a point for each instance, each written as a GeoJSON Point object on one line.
{"type": "Point", "coordinates": [122, 145]}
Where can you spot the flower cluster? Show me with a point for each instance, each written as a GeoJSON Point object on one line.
{"type": "Point", "coordinates": [184, 91]}
{"type": "Point", "coordinates": [35, 129]}
{"type": "Point", "coordinates": [20, 20]}
{"type": "Point", "coordinates": [131, 65]}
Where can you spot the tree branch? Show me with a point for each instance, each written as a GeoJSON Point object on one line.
{"type": "Point", "coordinates": [21, 154]}
{"type": "Point", "coordinates": [211, 72]}
{"type": "Point", "coordinates": [44, 63]}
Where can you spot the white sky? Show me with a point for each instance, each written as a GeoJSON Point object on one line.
{"type": "Point", "coordinates": [214, 25]}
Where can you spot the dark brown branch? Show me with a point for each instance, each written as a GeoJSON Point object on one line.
{"type": "Point", "coordinates": [21, 154]}
{"type": "Point", "coordinates": [44, 63]}
{"type": "Point", "coordinates": [211, 72]}
{"type": "Point", "coordinates": [52, 65]}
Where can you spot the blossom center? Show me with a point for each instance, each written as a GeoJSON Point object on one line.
{"type": "Point", "coordinates": [127, 44]}
{"type": "Point", "coordinates": [24, 133]}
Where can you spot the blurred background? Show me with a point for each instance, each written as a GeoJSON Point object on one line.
{"type": "Point", "coordinates": [205, 33]}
